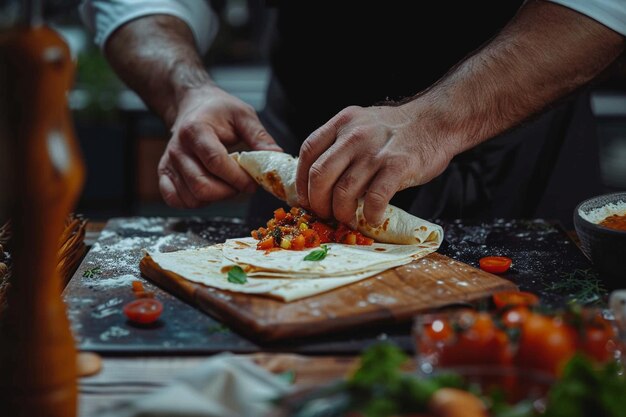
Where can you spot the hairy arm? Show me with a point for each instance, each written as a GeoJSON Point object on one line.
{"type": "Point", "coordinates": [545, 53]}
{"type": "Point", "coordinates": [156, 57]}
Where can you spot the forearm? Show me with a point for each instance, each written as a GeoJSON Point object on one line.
{"type": "Point", "coordinates": [156, 57]}
{"type": "Point", "coordinates": [544, 54]}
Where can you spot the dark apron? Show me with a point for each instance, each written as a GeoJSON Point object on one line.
{"type": "Point", "coordinates": [540, 169]}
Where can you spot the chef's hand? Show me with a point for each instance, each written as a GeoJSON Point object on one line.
{"type": "Point", "coordinates": [370, 152]}
{"type": "Point", "coordinates": [195, 168]}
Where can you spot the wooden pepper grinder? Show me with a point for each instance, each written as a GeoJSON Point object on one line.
{"type": "Point", "coordinates": [45, 176]}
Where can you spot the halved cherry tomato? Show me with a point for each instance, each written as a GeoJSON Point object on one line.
{"type": "Point", "coordinates": [515, 298]}
{"type": "Point", "coordinates": [495, 264]}
{"type": "Point", "coordinates": [143, 310]}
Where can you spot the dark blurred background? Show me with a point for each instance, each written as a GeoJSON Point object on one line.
{"type": "Point", "coordinates": [122, 141]}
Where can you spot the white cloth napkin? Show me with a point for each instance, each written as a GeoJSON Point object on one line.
{"type": "Point", "coordinates": [223, 386]}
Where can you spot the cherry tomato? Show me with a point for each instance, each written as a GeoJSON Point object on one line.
{"type": "Point", "coordinates": [546, 344]}
{"type": "Point", "coordinates": [515, 298]}
{"type": "Point", "coordinates": [597, 337]}
{"type": "Point", "coordinates": [143, 310]}
{"type": "Point", "coordinates": [514, 317]}
{"type": "Point", "coordinates": [495, 264]}
{"type": "Point", "coordinates": [479, 342]}
{"type": "Point", "coordinates": [598, 343]}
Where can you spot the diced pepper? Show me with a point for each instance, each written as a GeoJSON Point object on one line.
{"type": "Point", "coordinates": [279, 213]}
{"type": "Point", "coordinates": [266, 243]}
{"type": "Point", "coordinates": [311, 238]}
{"type": "Point", "coordinates": [297, 243]}
{"type": "Point", "coordinates": [285, 243]}
{"type": "Point", "coordinates": [349, 239]}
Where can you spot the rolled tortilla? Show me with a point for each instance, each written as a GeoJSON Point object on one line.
{"type": "Point", "coordinates": [276, 173]}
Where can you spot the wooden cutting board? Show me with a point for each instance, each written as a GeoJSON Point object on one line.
{"type": "Point", "coordinates": [394, 296]}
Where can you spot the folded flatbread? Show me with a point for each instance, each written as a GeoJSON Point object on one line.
{"type": "Point", "coordinates": [276, 173]}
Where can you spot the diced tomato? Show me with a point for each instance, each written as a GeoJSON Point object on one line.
{"type": "Point", "coordinates": [363, 240]}
{"type": "Point", "coordinates": [349, 239]}
{"type": "Point", "coordinates": [341, 232]}
{"type": "Point", "coordinates": [266, 243]}
{"type": "Point", "coordinates": [298, 242]}
{"type": "Point", "coordinates": [311, 238]}
{"type": "Point", "coordinates": [279, 214]}
{"type": "Point", "coordinates": [324, 231]}
{"type": "Point", "coordinates": [137, 286]}
{"type": "Point", "coordinates": [495, 264]}
{"type": "Point", "coordinates": [143, 310]}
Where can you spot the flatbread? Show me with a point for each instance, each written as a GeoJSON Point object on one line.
{"type": "Point", "coordinates": [276, 173]}
{"type": "Point", "coordinates": [340, 260]}
{"type": "Point", "coordinates": [284, 274]}
{"type": "Point", "coordinates": [207, 266]}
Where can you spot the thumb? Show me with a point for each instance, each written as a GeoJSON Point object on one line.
{"type": "Point", "coordinates": [255, 136]}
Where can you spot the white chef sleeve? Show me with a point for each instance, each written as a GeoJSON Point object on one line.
{"type": "Point", "coordinates": [103, 17]}
{"type": "Point", "coordinates": [611, 13]}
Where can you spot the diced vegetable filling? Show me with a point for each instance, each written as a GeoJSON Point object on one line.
{"type": "Point", "coordinates": [297, 230]}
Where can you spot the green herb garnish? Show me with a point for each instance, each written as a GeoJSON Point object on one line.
{"type": "Point", "coordinates": [90, 273]}
{"type": "Point", "coordinates": [582, 286]}
{"type": "Point", "coordinates": [236, 275]}
{"type": "Point", "coordinates": [317, 255]}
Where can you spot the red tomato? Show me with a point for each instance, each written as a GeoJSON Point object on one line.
{"type": "Point", "coordinates": [495, 264]}
{"type": "Point", "coordinates": [143, 310]}
{"type": "Point", "coordinates": [325, 232]}
{"type": "Point", "coordinates": [514, 298]}
{"type": "Point", "coordinates": [596, 336]}
{"type": "Point", "coordinates": [479, 344]}
{"type": "Point", "coordinates": [598, 343]}
{"type": "Point", "coordinates": [363, 240]}
{"type": "Point", "coordinates": [546, 344]}
{"type": "Point", "coordinates": [515, 316]}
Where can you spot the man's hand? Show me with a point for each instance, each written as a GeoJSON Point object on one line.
{"type": "Point", "coordinates": [156, 56]}
{"type": "Point", "coordinates": [545, 52]}
{"type": "Point", "coordinates": [195, 168]}
{"type": "Point", "coordinates": [372, 152]}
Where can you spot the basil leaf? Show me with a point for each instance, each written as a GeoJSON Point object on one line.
{"type": "Point", "coordinates": [236, 275]}
{"type": "Point", "coordinates": [317, 255]}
